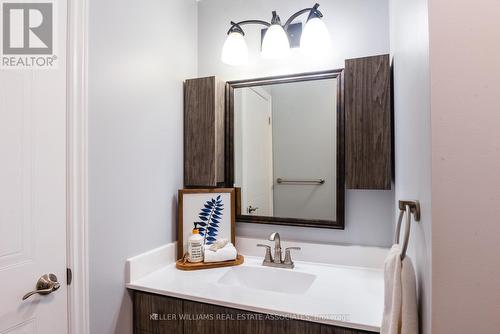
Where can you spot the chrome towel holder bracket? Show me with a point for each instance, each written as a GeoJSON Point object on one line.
{"type": "Point", "coordinates": [414, 208]}
{"type": "Point", "coordinates": [410, 207]}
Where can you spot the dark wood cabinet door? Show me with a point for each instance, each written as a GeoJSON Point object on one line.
{"type": "Point", "coordinates": [222, 320]}
{"type": "Point", "coordinates": [326, 329]}
{"type": "Point", "coordinates": [368, 123]}
{"type": "Point", "coordinates": [204, 319]}
{"type": "Point", "coordinates": [204, 132]}
{"type": "Point", "coordinates": [201, 318]}
{"type": "Point", "coordinates": [156, 314]}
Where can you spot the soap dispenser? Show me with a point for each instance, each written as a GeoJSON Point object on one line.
{"type": "Point", "coordinates": [195, 247]}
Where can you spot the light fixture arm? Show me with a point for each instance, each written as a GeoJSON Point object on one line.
{"type": "Point", "coordinates": [313, 12]}
{"type": "Point", "coordinates": [236, 26]}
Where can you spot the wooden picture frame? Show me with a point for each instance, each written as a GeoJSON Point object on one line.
{"type": "Point", "coordinates": [193, 199]}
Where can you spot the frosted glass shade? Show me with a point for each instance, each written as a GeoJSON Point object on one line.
{"type": "Point", "coordinates": [235, 50]}
{"type": "Point", "coordinates": [315, 39]}
{"type": "Point", "coordinates": [275, 44]}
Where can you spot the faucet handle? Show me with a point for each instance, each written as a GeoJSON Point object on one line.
{"type": "Point", "coordinates": [267, 257]}
{"type": "Point", "coordinates": [288, 257]}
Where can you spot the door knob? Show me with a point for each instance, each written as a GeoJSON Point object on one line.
{"type": "Point", "coordinates": [45, 285]}
{"type": "Point", "coordinates": [251, 209]}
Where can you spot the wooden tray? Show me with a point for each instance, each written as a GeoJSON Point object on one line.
{"type": "Point", "coordinates": [179, 264]}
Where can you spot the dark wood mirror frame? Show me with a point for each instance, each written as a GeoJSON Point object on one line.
{"type": "Point", "coordinates": [229, 145]}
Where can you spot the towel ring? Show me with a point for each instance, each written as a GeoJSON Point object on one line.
{"type": "Point", "coordinates": [407, 230]}
{"type": "Point", "coordinates": [410, 207]}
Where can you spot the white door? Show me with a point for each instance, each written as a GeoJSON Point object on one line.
{"type": "Point", "coordinates": [257, 147]}
{"type": "Point", "coordinates": [33, 192]}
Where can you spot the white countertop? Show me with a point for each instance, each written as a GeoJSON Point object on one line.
{"type": "Point", "coordinates": [338, 295]}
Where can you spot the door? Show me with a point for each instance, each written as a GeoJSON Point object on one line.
{"type": "Point", "coordinates": [257, 147]}
{"type": "Point", "coordinates": [33, 186]}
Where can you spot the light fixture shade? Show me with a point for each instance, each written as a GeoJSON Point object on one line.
{"type": "Point", "coordinates": [275, 44]}
{"type": "Point", "coordinates": [315, 39]}
{"type": "Point", "coordinates": [235, 50]}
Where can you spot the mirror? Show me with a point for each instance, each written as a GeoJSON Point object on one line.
{"type": "Point", "coordinates": [285, 144]}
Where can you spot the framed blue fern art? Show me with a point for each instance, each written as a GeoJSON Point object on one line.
{"type": "Point", "coordinates": [211, 211]}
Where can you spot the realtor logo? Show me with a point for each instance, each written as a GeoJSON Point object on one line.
{"type": "Point", "coordinates": [27, 34]}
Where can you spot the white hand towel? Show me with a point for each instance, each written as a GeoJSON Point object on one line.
{"type": "Point", "coordinates": [400, 295]}
{"type": "Point", "coordinates": [226, 253]}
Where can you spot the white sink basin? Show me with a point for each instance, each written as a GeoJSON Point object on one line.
{"type": "Point", "coordinates": [271, 279]}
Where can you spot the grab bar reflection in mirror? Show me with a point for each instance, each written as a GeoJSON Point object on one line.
{"type": "Point", "coordinates": [280, 180]}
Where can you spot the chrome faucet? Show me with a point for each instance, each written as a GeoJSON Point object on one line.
{"type": "Point", "coordinates": [277, 260]}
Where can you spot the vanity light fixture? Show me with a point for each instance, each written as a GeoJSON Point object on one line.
{"type": "Point", "coordinates": [235, 50]}
{"type": "Point", "coordinates": [275, 44]}
{"type": "Point", "coordinates": [315, 39]}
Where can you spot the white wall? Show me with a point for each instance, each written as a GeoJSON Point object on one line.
{"type": "Point", "coordinates": [465, 91]}
{"type": "Point", "coordinates": [139, 54]}
{"type": "Point", "coordinates": [358, 28]}
{"type": "Point", "coordinates": [410, 52]}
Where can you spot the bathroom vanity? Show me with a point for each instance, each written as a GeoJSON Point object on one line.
{"type": "Point", "coordinates": [251, 298]}
{"type": "Point", "coordinates": [204, 318]}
